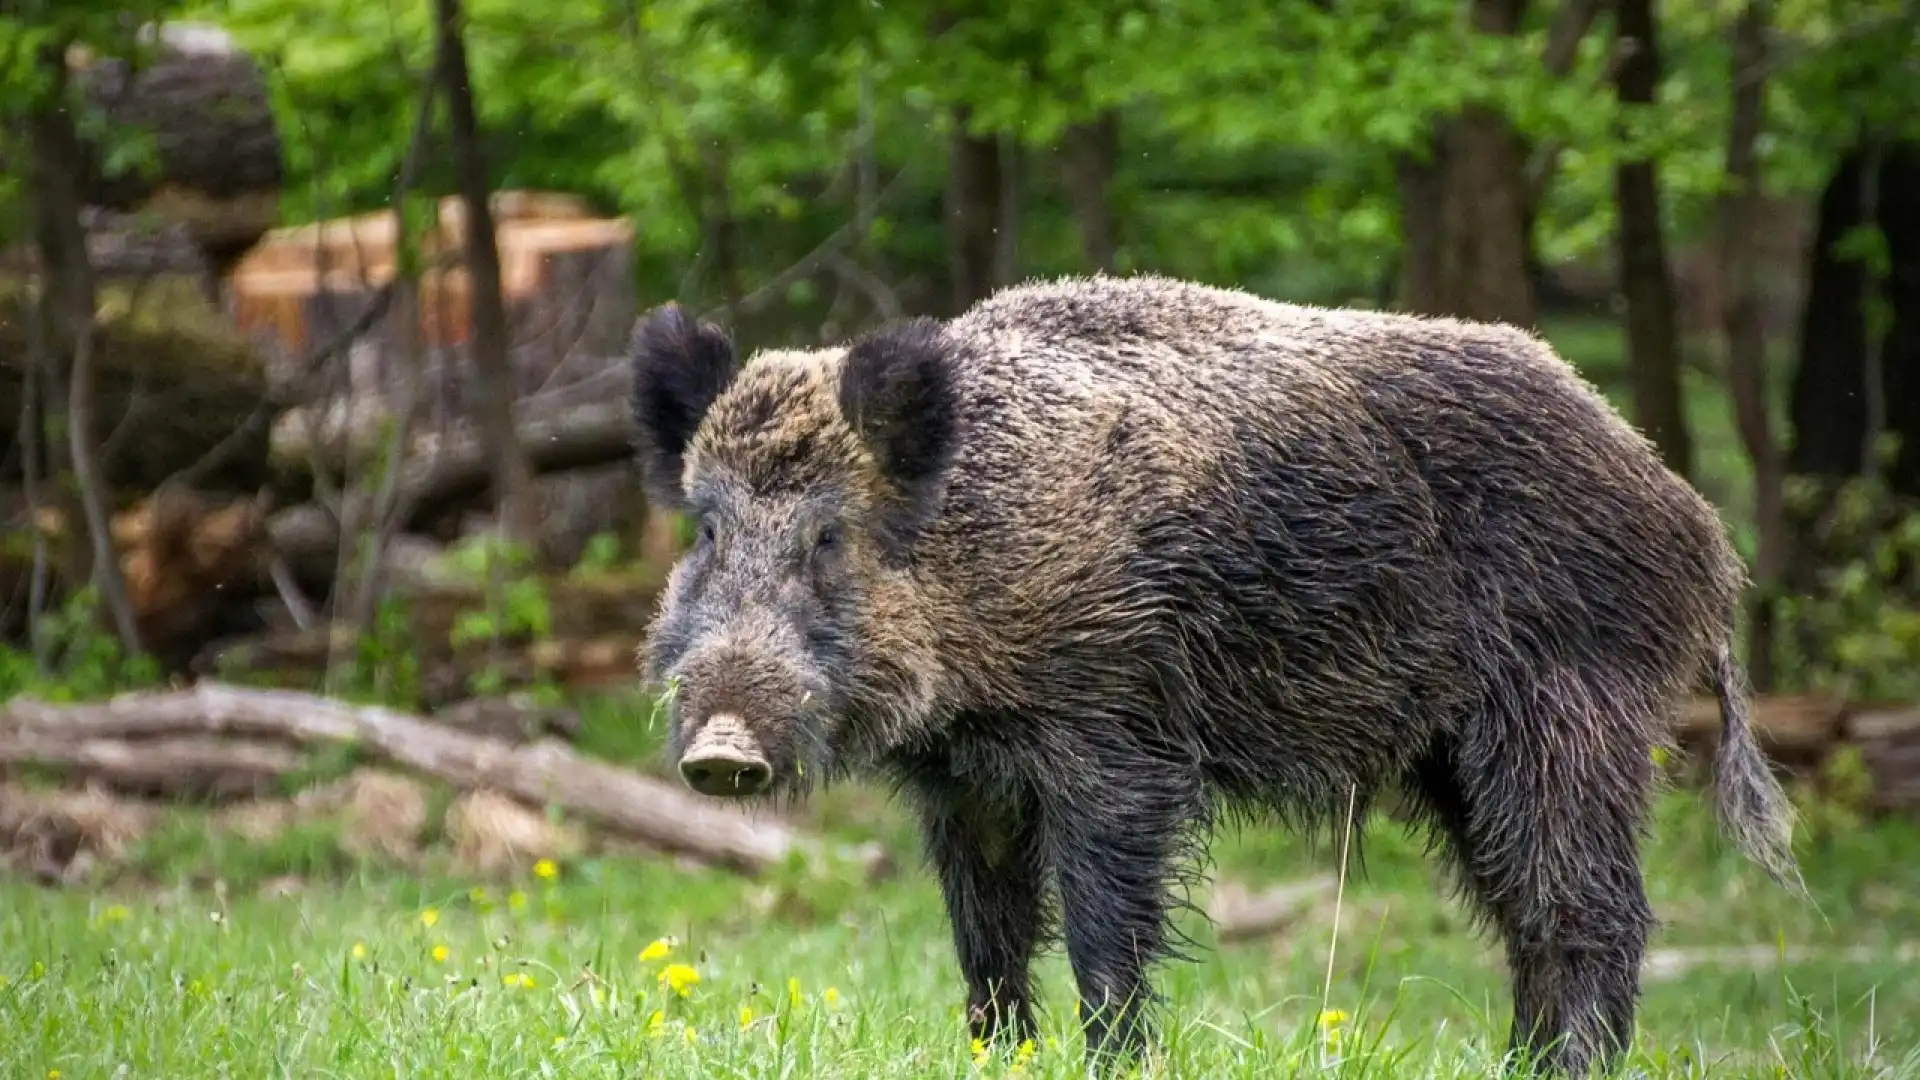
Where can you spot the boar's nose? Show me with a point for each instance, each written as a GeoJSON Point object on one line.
{"type": "Point", "coordinates": [722, 760]}
{"type": "Point", "coordinates": [725, 774]}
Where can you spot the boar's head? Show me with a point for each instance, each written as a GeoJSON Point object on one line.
{"type": "Point", "coordinates": [793, 638]}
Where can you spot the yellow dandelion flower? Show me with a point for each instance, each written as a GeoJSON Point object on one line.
{"type": "Point", "coordinates": [656, 949]}
{"type": "Point", "coordinates": [678, 977]}
{"type": "Point", "coordinates": [559, 1041]}
{"type": "Point", "coordinates": [479, 898]}
{"type": "Point", "coordinates": [516, 900]}
{"type": "Point", "coordinates": [429, 917]}
{"type": "Point", "coordinates": [598, 994]}
{"type": "Point", "coordinates": [832, 997]}
{"type": "Point", "coordinates": [1332, 1018]}
{"type": "Point", "coordinates": [793, 991]}
{"type": "Point", "coordinates": [746, 1017]}
{"type": "Point", "coordinates": [1024, 1053]}
{"type": "Point", "coordinates": [520, 979]}
{"type": "Point", "coordinates": [440, 954]}
{"type": "Point", "coordinates": [978, 1047]}
{"type": "Point", "coordinates": [689, 1034]}
{"type": "Point", "coordinates": [53, 1074]}
{"type": "Point", "coordinates": [546, 870]}
{"type": "Point", "coordinates": [655, 1021]}
{"type": "Point", "coordinates": [115, 913]}
{"type": "Point", "coordinates": [359, 950]}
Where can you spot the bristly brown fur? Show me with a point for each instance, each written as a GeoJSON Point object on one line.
{"type": "Point", "coordinates": [1101, 559]}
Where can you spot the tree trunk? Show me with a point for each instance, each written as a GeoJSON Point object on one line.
{"type": "Point", "coordinates": [69, 307]}
{"type": "Point", "coordinates": [1483, 221]}
{"type": "Point", "coordinates": [1646, 280]}
{"type": "Point", "coordinates": [1089, 156]}
{"type": "Point", "coordinates": [973, 211]}
{"type": "Point", "coordinates": [1828, 404]}
{"type": "Point", "coordinates": [1835, 387]}
{"type": "Point", "coordinates": [1465, 214]}
{"type": "Point", "coordinates": [492, 369]}
{"type": "Point", "coordinates": [1421, 286]}
{"type": "Point", "coordinates": [1741, 219]}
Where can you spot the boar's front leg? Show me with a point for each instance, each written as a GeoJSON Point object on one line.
{"type": "Point", "coordinates": [985, 848]}
{"type": "Point", "coordinates": [1113, 838]}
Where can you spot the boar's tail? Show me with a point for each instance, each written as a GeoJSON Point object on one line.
{"type": "Point", "coordinates": [1753, 808]}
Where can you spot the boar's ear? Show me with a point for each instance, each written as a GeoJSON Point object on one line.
{"type": "Point", "coordinates": [896, 390]}
{"type": "Point", "coordinates": [679, 367]}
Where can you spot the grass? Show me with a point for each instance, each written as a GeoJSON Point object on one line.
{"type": "Point", "coordinates": [190, 969]}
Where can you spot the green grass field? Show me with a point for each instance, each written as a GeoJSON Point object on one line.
{"type": "Point", "coordinates": [187, 966]}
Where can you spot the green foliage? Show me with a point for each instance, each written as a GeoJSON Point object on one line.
{"type": "Point", "coordinates": [517, 606]}
{"type": "Point", "coordinates": [386, 665]}
{"type": "Point", "coordinates": [1855, 629]}
{"type": "Point", "coordinates": [602, 555]}
{"type": "Point", "coordinates": [83, 659]}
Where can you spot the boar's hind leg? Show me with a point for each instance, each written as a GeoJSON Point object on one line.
{"type": "Point", "coordinates": [986, 852]}
{"type": "Point", "coordinates": [1114, 847]}
{"type": "Point", "coordinates": [1545, 833]}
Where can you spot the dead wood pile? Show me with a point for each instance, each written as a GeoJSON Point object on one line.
{"type": "Point", "coordinates": [230, 743]}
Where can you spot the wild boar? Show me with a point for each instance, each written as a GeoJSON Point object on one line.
{"type": "Point", "coordinates": [1100, 558]}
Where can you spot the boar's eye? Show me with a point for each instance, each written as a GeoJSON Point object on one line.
{"type": "Point", "coordinates": [706, 532]}
{"type": "Point", "coordinates": [828, 538]}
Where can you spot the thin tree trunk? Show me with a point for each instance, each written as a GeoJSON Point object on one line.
{"type": "Point", "coordinates": [1006, 233]}
{"type": "Point", "coordinates": [1741, 219]}
{"type": "Point", "coordinates": [1421, 285]}
{"type": "Point", "coordinates": [68, 309]}
{"type": "Point", "coordinates": [1089, 156]}
{"type": "Point", "coordinates": [493, 373]}
{"type": "Point", "coordinates": [31, 471]}
{"type": "Point", "coordinates": [973, 211]}
{"type": "Point", "coordinates": [1646, 280]}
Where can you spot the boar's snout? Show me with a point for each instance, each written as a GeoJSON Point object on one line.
{"type": "Point", "coordinates": [722, 759]}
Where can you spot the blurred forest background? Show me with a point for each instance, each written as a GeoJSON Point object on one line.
{"type": "Point", "coordinates": [280, 274]}
{"type": "Point", "coordinates": [313, 429]}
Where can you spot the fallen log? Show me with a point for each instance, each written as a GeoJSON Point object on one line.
{"type": "Point", "coordinates": [1663, 965]}
{"type": "Point", "coordinates": [188, 562]}
{"type": "Point", "coordinates": [189, 767]}
{"type": "Point", "coordinates": [308, 536]}
{"type": "Point", "coordinates": [1888, 741]}
{"type": "Point", "coordinates": [1238, 916]}
{"type": "Point", "coordinates": [596, 623]}
{"type": "Point", "coordinates": [172, 384]}
{"type": "Point", "coordinates": [1794, 729]}
{"type": "Point", "coordinates": [659, 814]}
